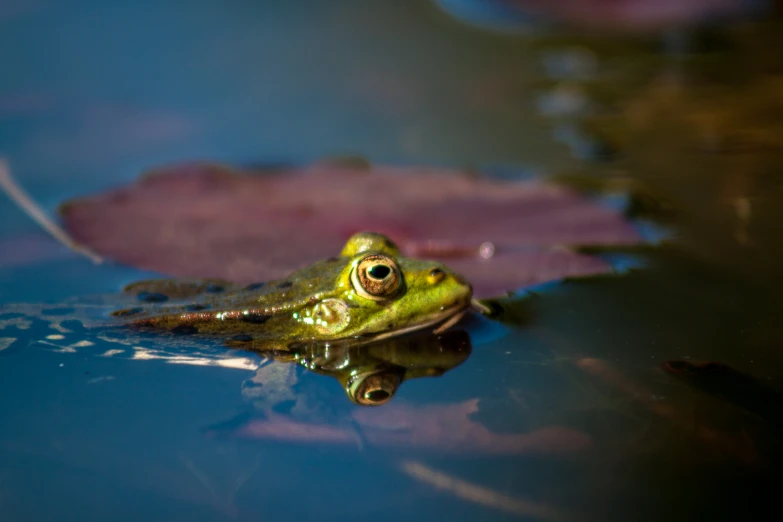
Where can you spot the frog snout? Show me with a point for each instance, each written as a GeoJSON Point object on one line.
{"type": "Point", "coordinates": [461, 280]}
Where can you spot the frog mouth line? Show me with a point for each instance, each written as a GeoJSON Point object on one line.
{"type": "Point", "coordinates": [449, 317]}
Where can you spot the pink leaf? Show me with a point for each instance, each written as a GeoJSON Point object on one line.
{"type": "Point", "coordinates": [210, 221]}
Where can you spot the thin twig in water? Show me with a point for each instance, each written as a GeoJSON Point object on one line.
{"type": "Point", "coordinates": [219, 502]}
{"type": "Point", "coordinates": [242, 478]}
{"type": "Point", "coordinates": [480, 307]}
{"type": "Point", "coordinates": [200, 476]}
{"type": "Point", "coordinates": [479, 494]}
{"type": "Point", "coordinates": [451, 322]}
{"type": "Point", "coordinates": [36, 213]}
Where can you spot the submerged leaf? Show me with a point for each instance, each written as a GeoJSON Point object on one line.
{"type": "Point", "coordinates": [210, 221]}
{"type": "Point", "coordinates": [445, 428]}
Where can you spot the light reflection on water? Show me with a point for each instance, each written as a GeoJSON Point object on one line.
{"type": "Point", "coordinates": [92, 95]}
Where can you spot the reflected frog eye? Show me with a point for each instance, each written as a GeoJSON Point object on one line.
{"type": "Point", "coordinates": [376, 276]}
{"type": "Point", "coordinates": [373, 389]}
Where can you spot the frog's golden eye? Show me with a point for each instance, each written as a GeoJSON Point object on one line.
{"type": "Point", "coordinates": [376, 276]}
{"type": "Point", "coordinates": [373, 389]}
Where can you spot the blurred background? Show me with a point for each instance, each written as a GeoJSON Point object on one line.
{"type": "Point", "coordinates": [683, 96]}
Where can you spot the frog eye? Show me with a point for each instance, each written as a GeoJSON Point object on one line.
{"type": "Point", "coordinates": [376, 276]}
{"type": "Point", "coordinates": [374, 389]}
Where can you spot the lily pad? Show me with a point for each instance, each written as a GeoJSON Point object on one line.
{"type": "Point", "coordinates": [202, 220]}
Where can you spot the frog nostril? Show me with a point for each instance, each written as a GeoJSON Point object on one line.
{"type": "Point", "coordinates": [152, 297]}
{"type": "Point", "coordinates": [436, 275]}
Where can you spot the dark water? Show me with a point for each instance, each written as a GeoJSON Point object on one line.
{"type": "Point", "coordinates": [92, 93]}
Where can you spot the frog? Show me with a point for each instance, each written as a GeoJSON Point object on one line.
{"type": "Point", "coordinates": [370, 375]}
{"type": "Point", "coordinates": [367, 293]}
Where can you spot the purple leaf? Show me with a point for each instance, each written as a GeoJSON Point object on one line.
{"type": "Point", "coordinates": [210, 221]}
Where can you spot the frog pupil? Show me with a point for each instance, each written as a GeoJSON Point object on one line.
{"type": "Point", "coordinates": [379, 271]}
{"type": "Point", "coordinates": [376, 395]}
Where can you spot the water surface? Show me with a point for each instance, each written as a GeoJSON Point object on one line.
{"type": "Point", "coordinates": [93, 93]}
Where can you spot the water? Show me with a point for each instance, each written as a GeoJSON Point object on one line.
{"type": "Point", "coordinates": [93, 93]}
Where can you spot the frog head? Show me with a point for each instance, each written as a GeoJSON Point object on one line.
{"type": "Point", "coordinates": [379, 294]}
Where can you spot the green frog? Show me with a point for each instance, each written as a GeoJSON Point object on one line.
{"type": "Point", "coordinates": [367, 293]}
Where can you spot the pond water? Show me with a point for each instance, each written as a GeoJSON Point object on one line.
{"type": "Point", "coordinates": [558, 409]}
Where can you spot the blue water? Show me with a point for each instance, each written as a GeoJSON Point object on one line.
{"type": "Point", "coordinates": [92, 93]}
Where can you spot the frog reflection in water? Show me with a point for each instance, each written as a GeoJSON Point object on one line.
{"type": "Point", "coordinates": [366, 294]}
{"type": "Point", "coordinates": [370, 374]}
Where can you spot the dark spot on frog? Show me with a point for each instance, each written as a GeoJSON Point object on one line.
{"type": "Point", "coordinates": [57, 311]}
{"type": "Point", "coordinates": [390, 326]}
{"type": "Point", "coordinates": [285, 284]}
{"type": "Point", "coordinates": [152, 297]}
{"type": "Point", "coordinates": [184, 329]}
{"type": "Point", "coordinates": [255, 318]}
{"type": "Point", "coordinates": [196, 307]}
{"type": "Point", "coordinates": [214, 289]}
{"type": "Point", "coordinates": [254, 286]}
{"type": "Point", "coordinates": [126, 312]}
{"type": "Point", "coordinates": [241, 338]}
